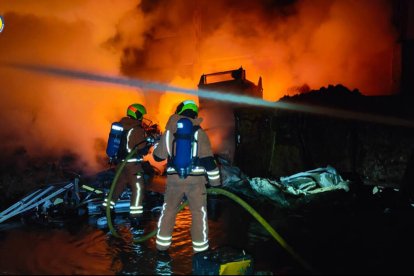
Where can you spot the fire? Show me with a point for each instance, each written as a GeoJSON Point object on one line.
{"type": "Point", "coordinates": [287, 43]}
{"type": "Point", "coordinates": [169, 100]}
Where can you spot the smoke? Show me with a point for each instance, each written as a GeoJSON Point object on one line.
{"type": "Point", "coordinates": [291, 44]}
{"type": "Point", "coordinates": [49, 117]}
{"type": "Point", "coordinates": [288, 43]}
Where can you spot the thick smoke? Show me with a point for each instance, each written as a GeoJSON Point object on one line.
{"type": "Point", "coordinates": [52, 117]}
{"type": "Point", "coordinates": [288, 43]}
{"type": "Point", "coordinates": [291, 44]}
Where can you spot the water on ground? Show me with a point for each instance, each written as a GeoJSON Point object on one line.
{"type": "Point", "coordinates": [339, 236]}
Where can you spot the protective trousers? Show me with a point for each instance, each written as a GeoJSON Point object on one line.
{"type": "Point", "coordinates": [133, 176]}
{"type": "Point", "coordinates": [193, 187]}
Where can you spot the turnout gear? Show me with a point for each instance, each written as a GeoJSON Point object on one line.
{"type": "Point", "coordinates": [117, 148]}
{"type": "Point", "coordinates": [203, 161]}
{"type": "Point", "coordinates": [133, 172]}
{"type": "Point", "coordinates": [193, 186]}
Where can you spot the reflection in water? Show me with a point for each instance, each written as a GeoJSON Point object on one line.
{"type": "Point", "coordinates": [81, 248]}
{"type": "Point", "coordinates": [141, 258]}
{"type": "Point", "coordinates": [92, 251]}
{"type": "Point", "coordinates": [319, 236]}
{"type": "Point", "coordinates": [52, 251]}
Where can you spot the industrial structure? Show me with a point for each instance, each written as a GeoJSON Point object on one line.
{"type": "Point", "coordinates": [219, 115]}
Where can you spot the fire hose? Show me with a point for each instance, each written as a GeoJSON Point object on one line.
{"type": "Point", "coordinates": [212, 191]}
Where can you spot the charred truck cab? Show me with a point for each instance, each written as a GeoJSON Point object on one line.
{"type": "Point", "coordinates": [219, 120]}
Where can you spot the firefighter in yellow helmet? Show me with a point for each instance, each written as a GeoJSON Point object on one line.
{"type": "Point", "coordinates": [190, 182]}
{"type": "Point", "coordinates": [133, 174]}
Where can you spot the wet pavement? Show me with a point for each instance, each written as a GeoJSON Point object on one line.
{"type": "Point", "coordinates": [337, 234]}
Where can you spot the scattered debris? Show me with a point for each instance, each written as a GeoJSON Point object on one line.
{"type": "Point", "coordinates": [315, 181]}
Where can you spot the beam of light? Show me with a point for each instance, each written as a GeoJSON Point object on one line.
{"type": "Point", "coordinates": [214, 95]}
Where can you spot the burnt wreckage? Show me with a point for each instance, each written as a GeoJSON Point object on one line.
{"type": "Point", "coordinates": [55, 203]}
{"type": "Point", "coordinates": [374, 155]}
{"type": "Point", "coordinates": [219, 115]}
{"type": "Point", "coordinates": [270, 146]}
{"type": "Point", "coordinates": [277, 144]}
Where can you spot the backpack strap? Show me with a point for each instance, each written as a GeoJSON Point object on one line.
{"type": "Point", "coordinates": [167, 143]}
{"type": "Point", "coordinates": [171, 152]}
{"type": "Point", "coordinates": [195, 144]}
{"type": "Point", "coordinates": [128, 134]}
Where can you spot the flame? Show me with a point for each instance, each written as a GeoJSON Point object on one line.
{"type": "Point", "coordinates": [170, 100]}
{"type": "Point", "coordinates": [287, 43]}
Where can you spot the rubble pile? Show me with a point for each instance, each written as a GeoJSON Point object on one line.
{"type": "Point", "coordinates": [274, 143]}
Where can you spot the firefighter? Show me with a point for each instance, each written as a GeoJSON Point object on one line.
{"type": "Point", "coordinates": [193, 187]}
{"type": "Point", "coordinates": [133, 174]}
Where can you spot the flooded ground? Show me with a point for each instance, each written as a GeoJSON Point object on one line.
{"type": "Point", "coordinates": [340, 234]}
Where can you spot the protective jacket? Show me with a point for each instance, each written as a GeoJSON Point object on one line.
{"type": "Point", "coordinates": [204, 164]}
{"type": "Point", "coordinates": [133, 173]}
{"type": "Point", "coordinates": [193, 187]}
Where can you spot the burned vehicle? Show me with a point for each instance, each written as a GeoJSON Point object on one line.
{"type": "Point", "coordinates": [232, 81]}
{"type": "Point", "coordinates": [219, 115]}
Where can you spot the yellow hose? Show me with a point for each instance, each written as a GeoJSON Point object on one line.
{"type": "Point", "coordinates": [263, 222]}
{"type": "Point", "coordinates": [213, 191]}
{"type": "Point", "coordinates": [111, 191]}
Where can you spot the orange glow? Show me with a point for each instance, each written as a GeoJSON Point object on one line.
{"type": "Point", "coordinates": [62, 254]}
{"type": "Point", "coordinates": [316, 43]}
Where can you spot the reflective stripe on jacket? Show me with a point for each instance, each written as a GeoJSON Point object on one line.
{"type": "Point", "coordinates": [163, 150]}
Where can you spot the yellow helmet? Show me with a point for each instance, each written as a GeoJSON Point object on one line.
{"type": "Point", "coordinates": [189, 105]}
